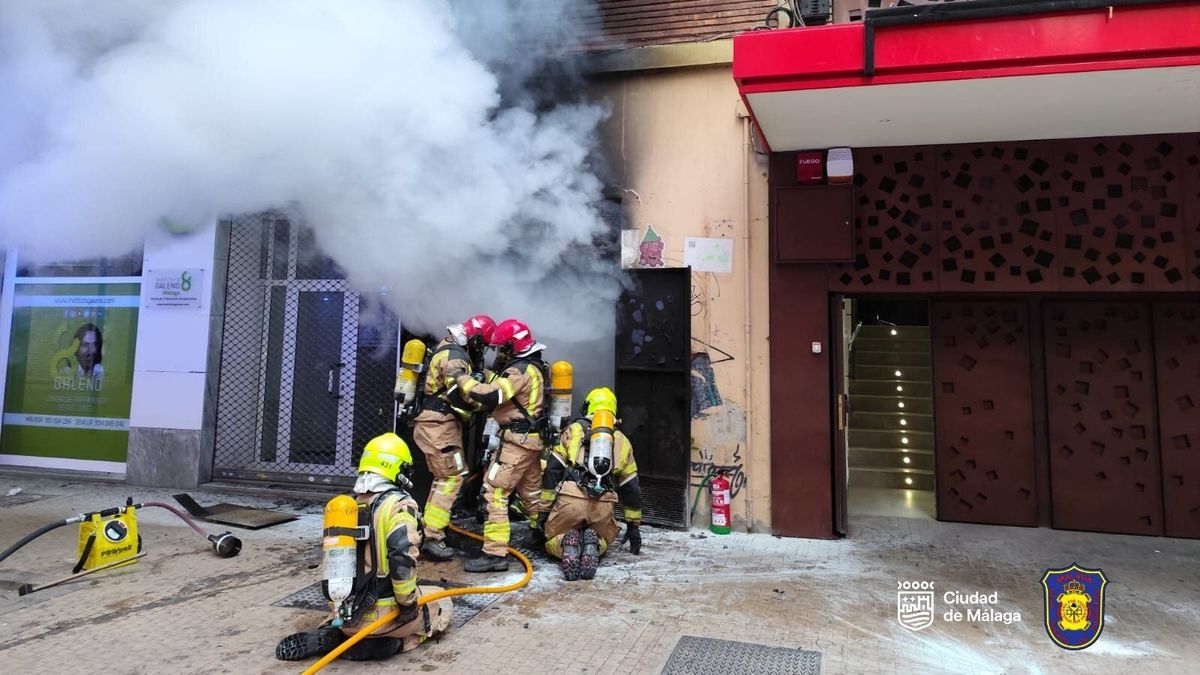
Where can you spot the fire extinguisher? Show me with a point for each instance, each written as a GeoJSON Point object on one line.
{"type": "Point", "coordinates": [719, 500]}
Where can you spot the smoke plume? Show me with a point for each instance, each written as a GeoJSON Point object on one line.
{"type": "Point", "coordinates": [415, 139]}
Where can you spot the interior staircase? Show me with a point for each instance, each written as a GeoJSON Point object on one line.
{"type": "Point", "coordinates": [891, 408]}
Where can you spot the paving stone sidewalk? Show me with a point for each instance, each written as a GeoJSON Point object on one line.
{"type": "Point", "coordinates": [183, 610]}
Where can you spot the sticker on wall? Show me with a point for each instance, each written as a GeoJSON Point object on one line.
{"type": "Point", "coordinates": [707, 254]}
{"type": "Point", "coordinates": [174, 289]}
{"type": "Point", "coordinates": [650, 251]}
{"type": "Point", "coordinates": [629, 248]}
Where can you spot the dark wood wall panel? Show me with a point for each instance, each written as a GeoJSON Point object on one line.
{"type": "Point", "coordinates": [982, 393]}
{"type": "Point", "coordinates": [1177, 353]}
{"type": "Point", "coordinates": [895, 241]}
{"type": "Point", "coordinates": [1090, 215]}
{"type": "Point", "coordinates": [1190, 166]}
{"type": "Point", "coordinates": [996, 217]}
{"type": "Point", "coordinates": [1120, 219]}
{"type": "Point", "coordinates": [1104, 455]}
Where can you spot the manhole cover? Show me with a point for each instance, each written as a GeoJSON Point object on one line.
{"type": "Point", "coordinates": [709, 655]}
{"type": "Point", "coordinates": [465, 606]}
{"type": "Point", "coordinates": [20, 498]}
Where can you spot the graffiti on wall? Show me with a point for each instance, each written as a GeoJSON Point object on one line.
{"type": "Point", "coordinates": [718, 430]}
{"type": "Point", "coordinates": [704, 469]}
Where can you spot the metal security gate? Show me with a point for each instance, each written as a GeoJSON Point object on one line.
{"type": "Point", "coordinates": [654, 385]}
{"type": "Point", "coordinates": [306, 378]}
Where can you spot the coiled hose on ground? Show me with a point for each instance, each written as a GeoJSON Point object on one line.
{"type": "Point", "coordinates": [447, 593]}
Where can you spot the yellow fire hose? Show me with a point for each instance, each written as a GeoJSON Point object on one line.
{"type": "Point", "coordinates": [424, 599]}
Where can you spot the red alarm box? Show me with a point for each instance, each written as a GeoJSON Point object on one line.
{"type": "Point", "coordinates": [810, 167]}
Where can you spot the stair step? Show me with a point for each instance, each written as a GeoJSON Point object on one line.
{"type": "Point", "coordinates": [903, 479]}
{"type": "Point", "coordinates": [859, 371]}
{"type": "Point", "coordinates": [884, 438]}
{"type": "Point", "coordinates": [907, 404]}
{"type": "Point", "coordinates": [886, 388]}
{"type": "Point", "coordinates": [902, 332]}
{"type": "Point", "coordinates": [890, 344]}
{"type": "Point", "coordinates": [864, 357]}
{"type": "Point", "coordinates": [889, 458]}
{"type": "Point", "coordinates": [886, 421]}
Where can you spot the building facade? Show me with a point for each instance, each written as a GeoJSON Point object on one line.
{"type": "Point", "coordinates": [994, 320]}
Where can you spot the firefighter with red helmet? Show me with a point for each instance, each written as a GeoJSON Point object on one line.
{"type": "Point", "coordinates": [438, 428]}
{"type": "Point", "coordinates": [591, 465]}
{"type": "Point", "coordinates": [515, 397]}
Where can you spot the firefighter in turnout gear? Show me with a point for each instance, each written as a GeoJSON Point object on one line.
{"type": "Point", "coordinates": [585, 474]}
{"type": "Point", "coordinates": [515, 397]}
{"type": "Point", "coordinates": [386, 567]}
{"type": "Point", "coordinates": [438, 429]}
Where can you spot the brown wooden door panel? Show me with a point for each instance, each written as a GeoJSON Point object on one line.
{"type": "Point", "coordinates": [1104, 457]}
{"type": "Point", "coordinates": [985, 451]}
{"type": "Point", "coordinates": [1177, 353]}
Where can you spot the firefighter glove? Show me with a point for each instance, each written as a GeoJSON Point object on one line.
{"type": "Point", "coordinates": [634, 535]}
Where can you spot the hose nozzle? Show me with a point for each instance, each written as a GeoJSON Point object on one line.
{"type": "Point", "coordinates": [225, 545]}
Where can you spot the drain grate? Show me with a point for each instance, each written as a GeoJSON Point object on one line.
{"type": "Point", "coordinates": [465, 606]}
{"type": "Point", "coordinates": [709, 655]}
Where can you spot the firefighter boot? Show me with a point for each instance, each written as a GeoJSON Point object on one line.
{"type": "Point", "coordinates": [572, 547]}
{"type": "Point", "coordinates": [303, 646]}
{"type": "Point", "coordinates": [487, 563]}
{"type": "Point", "coordinates": [589, 559]}
{"type": "Point", "coordinates": [537, 530]}
{"type": "Point", "coordinates": [436, 550]}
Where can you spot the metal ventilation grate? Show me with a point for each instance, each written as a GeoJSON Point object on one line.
{"type": "Point", "coordinates": [710, 655]}
{"type": "Point", "coordinates": [466, 607]}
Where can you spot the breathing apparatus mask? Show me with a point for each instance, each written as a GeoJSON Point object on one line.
{"type": "Point", "coordinates": [476, 349]}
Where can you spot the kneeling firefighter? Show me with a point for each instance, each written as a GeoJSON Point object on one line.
{"type": "Point", "coordinates": [588, 469]}
{"type": "Point", "coordinates": [371, 543]}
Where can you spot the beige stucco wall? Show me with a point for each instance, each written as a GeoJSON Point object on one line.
{"type": "Point", "coordinates": [678, 147]}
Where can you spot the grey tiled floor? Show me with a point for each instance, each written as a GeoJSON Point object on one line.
{"type": "Point", "coordinates": [182, 610]}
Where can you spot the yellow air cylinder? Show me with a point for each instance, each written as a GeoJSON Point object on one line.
{"type": "Point", "coordinates": [600, 443]}
{"type": "Point", "coordinates": [412, 362]}
{"type": "Point", "coordinates": [562, 379]}
{"type": "Point", "coordinates": [340, 547]}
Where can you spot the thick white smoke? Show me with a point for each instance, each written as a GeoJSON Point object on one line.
{"type": "Point", "coordinates": [401, 131]}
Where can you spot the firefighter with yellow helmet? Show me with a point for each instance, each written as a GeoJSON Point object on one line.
{"type": "Point", "coordinates": [378, 546]}
{"type": "Point", "coordinates": [591, 465]}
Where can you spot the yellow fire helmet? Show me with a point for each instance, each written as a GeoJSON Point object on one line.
{"type": "Point", "coordinates": [386, 455]}
{"type": "Point", "coordinates": [601, 398]}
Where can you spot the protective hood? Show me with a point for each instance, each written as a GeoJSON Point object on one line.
{"type": "Point", "coordinates": [458, 333]}
{"type": "Point", "coordinates": [372, 482]}
{"type": "Point", "coordinates": [537, 347]}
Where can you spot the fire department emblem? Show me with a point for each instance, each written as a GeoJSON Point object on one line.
{"type": "Point", "coordinates": [914, 605]}
{"type": "Point", "coordinates": [1074, 600]}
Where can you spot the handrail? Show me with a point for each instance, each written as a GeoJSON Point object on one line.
{"type": "Point", "coordinates": [854, 334]}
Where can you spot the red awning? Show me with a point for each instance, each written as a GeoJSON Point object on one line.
{"type": "Point", "coordinates": [1123, 70]}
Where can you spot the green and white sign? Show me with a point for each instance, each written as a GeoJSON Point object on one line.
{"type": "Point", "coordinates": [174, 288]}
{"type": "Point", "coordinates": [70, 370]}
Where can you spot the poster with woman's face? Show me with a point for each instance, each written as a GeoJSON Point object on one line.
{"type": "Point", "coordinates": [70, 371]}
